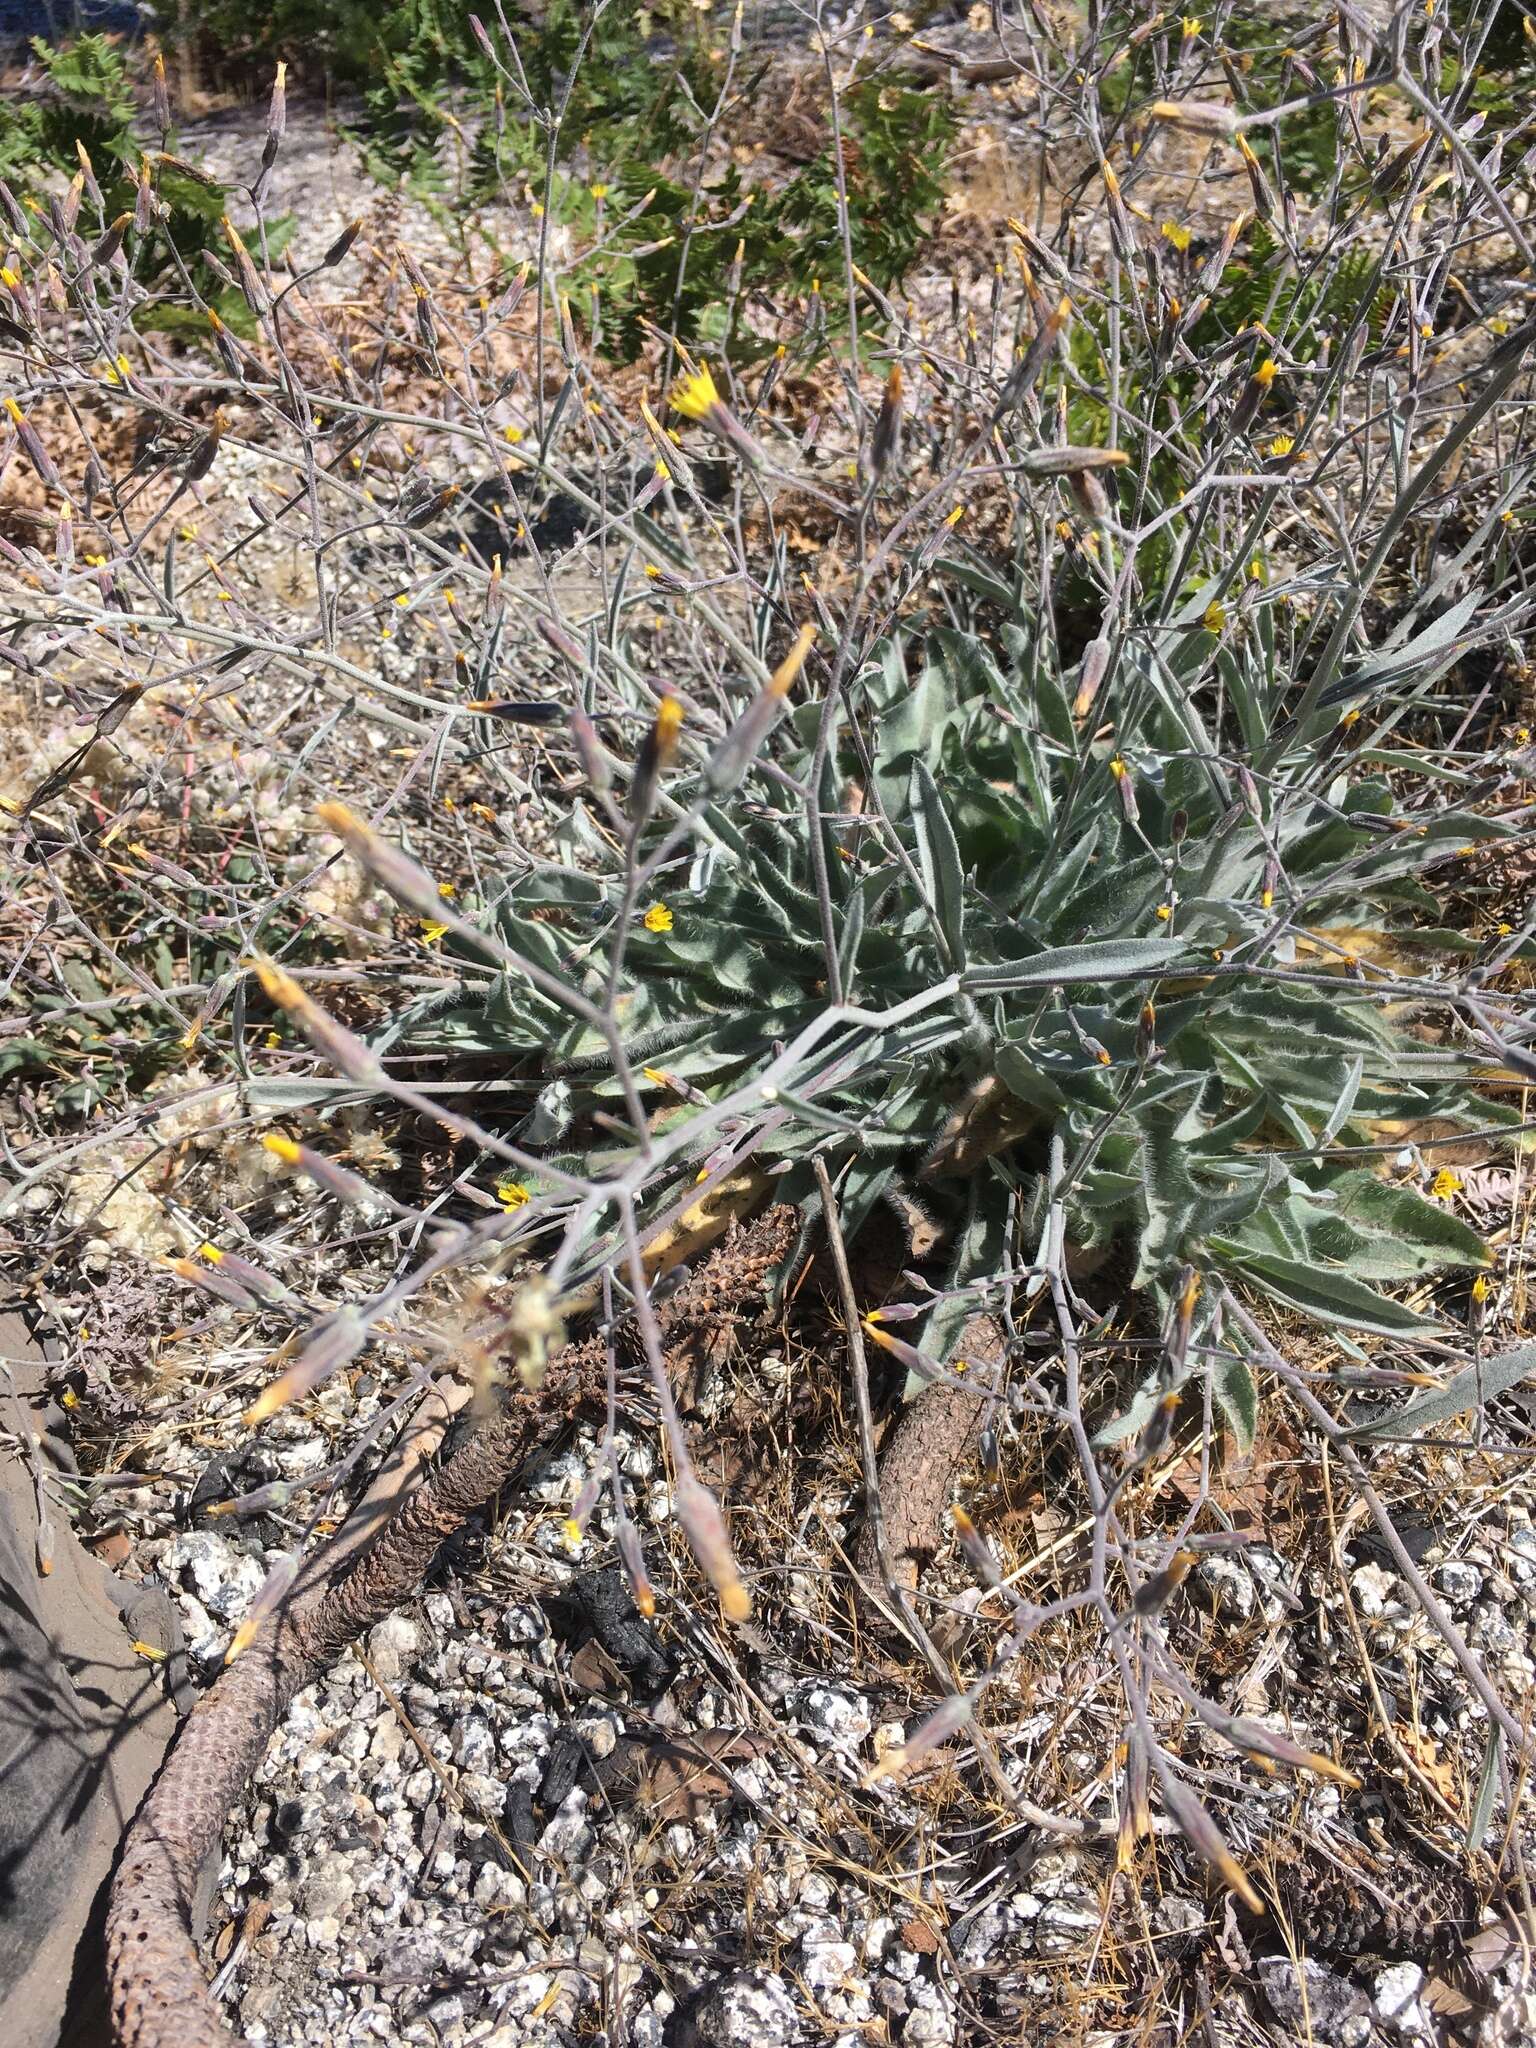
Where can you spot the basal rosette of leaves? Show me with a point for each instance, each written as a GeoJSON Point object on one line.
{"type": "Point", "coordinates": [1048, 945]}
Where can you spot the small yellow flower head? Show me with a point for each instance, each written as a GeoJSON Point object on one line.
{"type": "Point", "coordinates": [1214, 618]}
{"type": "Point", "coordinates": [1190, 26]}
{"type": "Point", "coordinates": [658, 918]}
{"type": "Point", "coordinates": [282, 1148]}
{"type": "Point", "coordinates": [669, 722]}
{"type": "Point", "coordinates": [1165, 911]}
{"type": "Point", "coordinates": [1281, 446]}
{"type": "Point", "coordinates": [1179, 236]}
{"type": "Point", "coordinates": [1445, 1184]}
{"type": "Point", "coordinates": [1482, 1287]}
{"type": "Point", "coordinates": [431, 930]}
{"type": "Point", "coordinates": [1267, 372]}
{"type": "Point", "coordinates": [511, 1194]}
{"type": "Point", "coordinates": [694, 395]}
{"type": "Point", "coordinates": [1117, 768]}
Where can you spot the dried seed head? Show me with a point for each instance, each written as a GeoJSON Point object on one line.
{"type": "Point", "coordinates": [278, 1581]}
{"type": "Point", "coordinates": [1095, 666]}
{"type": "Point", "coordinates": [341, 245]}
{"type": "Point", "coordinates": [333, 1041]}
{"type": "Point", "coordinates": [589, 752]}
{"type": "Point", "coordinates": [642, 1592]}
{"type": "Point", "coordinates": [656, 752]}
{"type": "Point", "coordinates": [1205, 1838]}
{"type": "Point", "coordinates": [1205, 117]}
{"type": "Point", "coordinates": [947, 1720]}
{"type": "Point", "coordinates": [885, 443]}
{"type": "Point", "coordinates": [334, 1344]}
{"type": "Point", "coordinates": [561, 641]}
{"type": "Point", "coordinates": [214, 1282]}
{"type": "Point", "coordinates": [277, 113]}
{"type": "Point", "coordinates": [699, 1517]}
{"type": "Point", "coordinates": [534, 1330]}
{"type": "Point", "coordinates": [160, 98]}
{"type": "Point", "coordinates": [1155, 1593]}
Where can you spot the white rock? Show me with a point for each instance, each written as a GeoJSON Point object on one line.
{"type": "Point", "coordinates": [1376, 1592]}
{"type": "Point", "coordinates": [483, 1794]}
{"type": "Point", "coordinates": [474, 1746]}
{"type": "Point", "coordinates": [392, 1647]}
{"type": "Point", "coordinates": [833, 1718]}
{"type": "Point", "coordinates": [747, 2011]}
{"type": "Point", "coordinates": [224, 1580]}
{"type": "Point", "coordinates": [1225, 1585]}
{"type": "Point", "coordinates": [387, 1739]}
{"type": "Point", "coordinates": [567, 1838]}
{"type": "Point", "coordinates": [930, 2023]}
{"type": "Point", "coordinates": [1397, 1998]}
{"type": "Point", "coordinates": [1459, 1581]}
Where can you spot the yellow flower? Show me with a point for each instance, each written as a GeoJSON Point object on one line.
{"type": "Point", "coordinates": [1445, 1184]}
{"type": "Point", "coordinates": [599, 191]}
{"type": "Point", "coordinates": [1190, 24]}
{"type": "Point", "coordinates": [658, 918]}
{"type": "Point", "coordinates": [1281, 445]}
{"type": "Point", "coordinates": [694, 395]}
{"type": "Point", "coordinates": [511, 1194]}
{"type": "Point", "coordinates": [1214, 618]}
{"type": "Point", "coordinates": [1482, 1287]}
{"type": "Point", "coordinates": [512, 433]}
{"type": "Point", "coordinates": [1179, 236]}
{"type": "Point", "coordinates": [1165, 911]}
{"type": "Point", "coordinates": [431, 930]}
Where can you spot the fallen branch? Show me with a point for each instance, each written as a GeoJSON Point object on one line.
{"type": "Point", "coordinates": [159, 1992]}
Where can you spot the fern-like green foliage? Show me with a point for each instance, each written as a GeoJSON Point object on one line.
{"type": "Point", "coordinates": [86, 101]}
